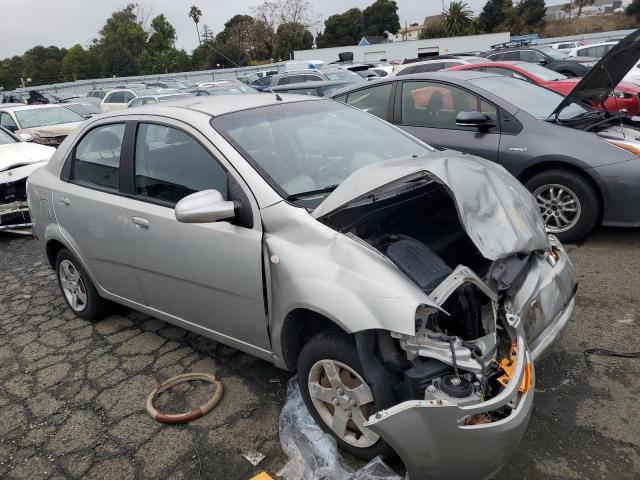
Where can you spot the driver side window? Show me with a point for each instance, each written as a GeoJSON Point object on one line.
{"type": "Point", "coordinates": [170, 164]}
{"type": "Point", "coordinates": [436, 105]}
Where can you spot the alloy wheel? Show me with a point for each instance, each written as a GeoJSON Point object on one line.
{"type": "Point", "coordinates": [559, 205]}
{"type": "Point", "coordinates": [343, 400]}
{"type": "Point", "coordinates": [72, 286]}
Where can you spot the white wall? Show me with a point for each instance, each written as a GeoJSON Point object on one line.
{"type": "Point", "coordinates": [409, 49]}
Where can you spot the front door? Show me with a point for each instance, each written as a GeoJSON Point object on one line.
{"type": "Point", "coordinates": [207, 274]}
{"type": "Point", "coordinates": [428, 111]}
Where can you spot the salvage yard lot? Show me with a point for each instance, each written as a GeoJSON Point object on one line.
{"type": "Point", "coordinates": [72, 393]}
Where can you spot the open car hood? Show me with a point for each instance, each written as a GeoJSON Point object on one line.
{"type": "Point", "coordinates": [601, 80]}
{"type": "Point", "coordinates": [497, 212]}
{"type": "Point", "coordinates": [23, 153]}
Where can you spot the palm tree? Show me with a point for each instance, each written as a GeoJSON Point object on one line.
{"type": "Point", "coordinates": [195, 13]}
{"type": "Point", "coordinates": [458, 19]}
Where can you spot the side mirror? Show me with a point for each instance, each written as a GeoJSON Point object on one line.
{"type": "Point", "coordinates": [11, 128]}
{"type": "Point", "coordinates": [207, 206]}
{"type": "Point", "coordinates": [474, 119]}
{"type": "Point", "coordinates": [26, 137]}
{"type": "Point", "coordinates": [542, 61]}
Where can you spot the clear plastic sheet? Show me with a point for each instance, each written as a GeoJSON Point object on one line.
{"type": "Point", "coordinates": [313, 454]}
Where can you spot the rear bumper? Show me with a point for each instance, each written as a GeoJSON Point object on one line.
{"type": "Point", "coordinates": [433, 443]}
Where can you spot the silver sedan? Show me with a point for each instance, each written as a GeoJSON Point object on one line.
{"type": "Point", "coordinates": [411, 289]}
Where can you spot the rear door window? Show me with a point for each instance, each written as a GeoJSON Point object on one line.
{"type": "Point", "coordinates": [96, 160]}
{"type": "Point", "coordinates": [374, 100]}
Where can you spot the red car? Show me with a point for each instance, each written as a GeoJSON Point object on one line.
{"type": "Point", "coordinates": [625, 96]}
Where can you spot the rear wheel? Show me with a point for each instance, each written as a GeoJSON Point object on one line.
{"type": "Point", "coordinates": [337, 395]}
{"type": "Point", "coordinates": [77, 288]}
{"type": "Point", "coordinates": [568, 203]}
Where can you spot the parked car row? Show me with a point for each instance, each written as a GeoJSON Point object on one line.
{"type": "Point", "coordinates": [442, 279]}
{"type": "Point", "coordinates": [581, 163]}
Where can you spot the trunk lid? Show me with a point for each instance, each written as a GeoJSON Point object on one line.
{"type": "Point", "coordinates": [496, 210]}
{"type": "Point", "coordinates": [600, 81]}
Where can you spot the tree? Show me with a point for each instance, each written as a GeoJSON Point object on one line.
{"type": "Point", "coordinates": [341, 29]}
{"type": "Point", "coordinates": [43, 64]}
{"type": "Point", "coordinates": [493, 15]}
{"type": "Point", "coordinates": [633, 10]}
{"type": "Point", "coordinates": [458, 19]}
{"type": "Point", "coordinates": [433, 30]}
{"type": "Point", "coordinates": [78, 64]}
{"type": "Point", "coordinates": [163, 35]}
{"type": "Point", "coordinates": [381, 17]}
{"type": "Point", "coordinates": [291, 37]}
{"type": "Point", "coordinates": [121, 42]}
{"type": "Point", "coordinates": [567, 8]}
{"type": "Point", "coordinates": [582, 3]}
{"type": "Point", "coordinates": [273, 13]}
{"type": "Point", "coordinates": [11, 70]}
{"type": "Point", "coordinates": [195, 14]}
{"type": "Point", "coordinates": [531, 14]}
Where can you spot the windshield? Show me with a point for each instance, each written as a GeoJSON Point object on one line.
{"type": "Point", "coordinates": [41, 117]}
{"type": "Point", "coordinates": [344, 75]}
{"type": "Point", "coordinates": [553, 53]}
{"type": "Point", "coordinates": [531, 98]}
{"type": "Point", "coordinates": [310, 146]}
{"type": "Point", "coordinates": [5, 138]}
{"type": "Point", "coordinates": [543, 73]}
{"type": "Point", "coordinates": [84, 108]}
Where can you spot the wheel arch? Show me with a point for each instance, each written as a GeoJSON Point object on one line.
{"type": "Point", "coordinates": [52, 248]}
{"type": "Point", "coordinates": [548, 165]}
{"type": "Point", "coordinates": [299, 325]}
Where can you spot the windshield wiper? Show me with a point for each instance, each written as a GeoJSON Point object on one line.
{"type": "Point", "coordinates": [312, 193]}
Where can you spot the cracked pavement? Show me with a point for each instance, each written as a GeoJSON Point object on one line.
{"type": "Point", "coordinates": [72, 393]}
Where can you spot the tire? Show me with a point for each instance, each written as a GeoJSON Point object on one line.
{"type": "Point", "coordinates": [72, 278]}
{"type": "Point", "coordinates": [331, 347]}
{"type": "Point", "coordinates": [564, 185]}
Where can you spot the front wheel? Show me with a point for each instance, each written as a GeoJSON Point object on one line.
{"type": "Point", "coordinates": [337, 395]}
{"type": "Point", "coordinates": [568, 203]}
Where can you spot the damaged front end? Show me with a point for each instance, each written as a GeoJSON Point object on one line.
{"type": "Point", "coordinates": [14, 211]}
{"type": "Point", "coordinates": [455, 396]}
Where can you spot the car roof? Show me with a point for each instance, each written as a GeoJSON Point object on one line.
{"type": "Point", "coordinates": [212, 106]}
{"type": "Point", "coordinates": [597, 44]}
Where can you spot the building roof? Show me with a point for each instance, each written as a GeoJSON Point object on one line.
{"type": "Point", "coordinates": [373, 40]}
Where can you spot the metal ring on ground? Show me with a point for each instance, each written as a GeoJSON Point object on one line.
{"type": "Point", "coordinates": [196, 412]}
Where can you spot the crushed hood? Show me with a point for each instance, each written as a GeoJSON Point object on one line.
{"type": "Point", "coordinates": [496, 210]}
{"type": "Point", "coordinates": [601, 80]}
{"type": "Point", "coordinates": [23, 153]}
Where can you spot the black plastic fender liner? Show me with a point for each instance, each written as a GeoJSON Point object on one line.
{"type": "Point", "coordinates": [378, 377]}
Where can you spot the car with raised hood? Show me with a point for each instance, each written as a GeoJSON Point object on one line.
{"type": "Point", "coordinates": [626, 95]}
{"type": "Point", "coordinates": [582, 164]}
{"type": "Point", "coordinates": [324, 240]}
{"type": "Point", "coordinates": [44, 124]}
{"type": "Point", "coordinates": [543, 55]}
{"type": "Point", "coordinates": [18, 159]}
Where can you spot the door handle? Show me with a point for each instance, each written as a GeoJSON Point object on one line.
{"type": "Point", "coordinates": [140, 223]}
{"type": "Point", "coordinates": [64, 202]}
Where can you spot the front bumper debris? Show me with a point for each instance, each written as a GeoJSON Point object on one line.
{"type": "Point", "coordinates": [433, 441]}
{"type": "Point", "coordinates": [15, 216]}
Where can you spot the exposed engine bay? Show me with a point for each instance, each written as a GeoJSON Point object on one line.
{"type": "Point", "coordinates": [462, 349]}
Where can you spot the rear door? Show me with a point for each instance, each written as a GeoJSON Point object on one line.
{"type": "Point", "coordinates": [88, 207]}
{"type": "Point", "coordinates": [428, 110]}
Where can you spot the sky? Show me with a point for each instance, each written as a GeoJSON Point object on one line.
{"type": "Point", "coordinates": [64, 23]}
